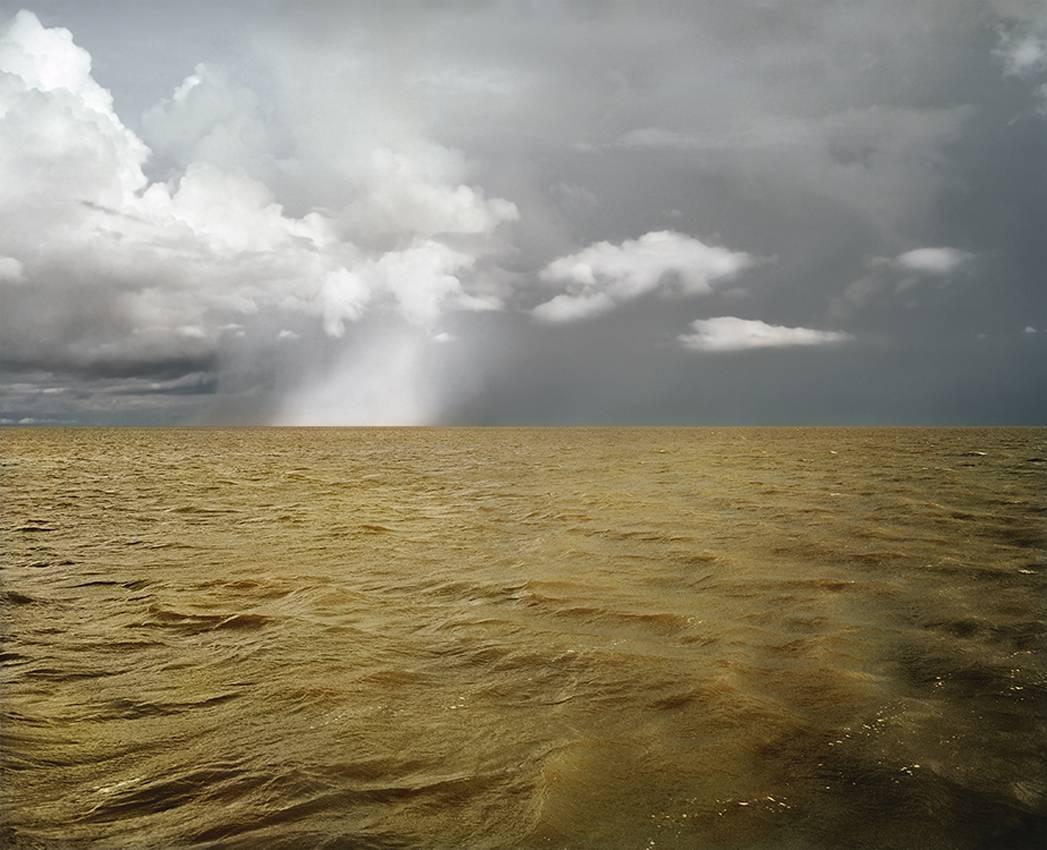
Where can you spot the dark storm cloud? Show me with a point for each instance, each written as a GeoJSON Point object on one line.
{"type": "Point", "coordinates": [124, 367]}
{"type": "Point", "coordinates": [728, 212]}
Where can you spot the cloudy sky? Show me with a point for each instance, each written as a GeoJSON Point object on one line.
{"type": "Point", "coordinates": [728, 211]}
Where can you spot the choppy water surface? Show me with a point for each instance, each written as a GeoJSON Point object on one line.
{"type": "Point", "coordinates": [724, 638]}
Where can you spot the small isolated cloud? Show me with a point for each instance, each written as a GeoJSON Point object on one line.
{"type": "Point", "coordinates": [443, 336]}
{"type": "Point", "coordinates": [932, 261]}
{"type": "Point", "coordinates": [729, 333]}
{"type": "Point", "coordinates": [11, 270]}
{"type": "Point", "coordinates": [900, 274]}
{"type": "Point", "coordinates": [287, 334]}
{"type": "Point", "coordinates": [1023, 52]}
{"type": "Point", "coordinates": [603, 275]}
{"type": "Point", "coordinates": [1029, 329]}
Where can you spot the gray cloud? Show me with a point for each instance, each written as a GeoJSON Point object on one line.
{"type": "Point", "coordinates": [889, 277]}
{"type": "Point", "coordinates": [289, 213]}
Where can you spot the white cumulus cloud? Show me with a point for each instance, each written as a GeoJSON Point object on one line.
{"type": "Point", "coordinates": [213, 244]}
{"type": "Point", "coordinates": [603, 275]}
{"type": "Point", "coordinates": [933, 261]}
{"type": "Point", "coordinates": [729, 333]}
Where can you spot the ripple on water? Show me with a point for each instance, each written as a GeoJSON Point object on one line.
{"type": "Point", "coordinates": [165, 618]}
{"type": "Point", "coordinates": [514, 638]}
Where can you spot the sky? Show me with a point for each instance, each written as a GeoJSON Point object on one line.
{"type": "Point", "coordinates": [493, 213]}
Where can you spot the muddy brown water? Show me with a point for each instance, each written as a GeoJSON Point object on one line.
{"type": "Point", "coordinates": [513, 638]}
